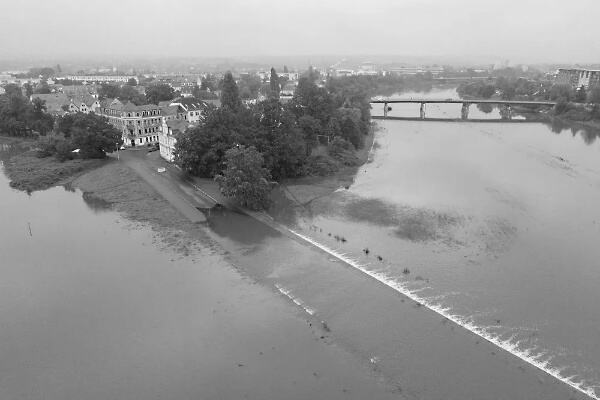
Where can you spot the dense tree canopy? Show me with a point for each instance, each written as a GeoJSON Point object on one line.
{"type": "Point", "coordinates": [159, 92]}
{"type": "Point", "coordinates": [90, 133]}
{"type": "Point", "coordinates": [274, 85]}
{"type": "Point", "coordinates": [245, 178]}
{"type": "Point", "coordinates": [230, 95]}
{"type": "Point", "coordinates": [282, 136]}
{"type": "Point", "coordinates": [19, 117]}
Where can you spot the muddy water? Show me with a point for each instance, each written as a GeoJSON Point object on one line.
{"type": "Point", "coordinates": [94, 307]}
{"type": "Point", "coordinates": [482, 250]}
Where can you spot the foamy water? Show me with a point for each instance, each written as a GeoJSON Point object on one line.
{"type": "Point", "coordinates": [534, 356]}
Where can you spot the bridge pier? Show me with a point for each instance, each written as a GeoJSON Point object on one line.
{"type": "Point", "coordinates": [422, 111]}
{"type": "Point", "coordinates": [464, 112]}
{"type": "Point", "coordinates": [385, 109]}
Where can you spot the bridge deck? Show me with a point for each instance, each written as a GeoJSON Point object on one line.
{"type": "Point", "coordinates": [452, 119]}
{"type": "Point", "coordinates": [469, 101]}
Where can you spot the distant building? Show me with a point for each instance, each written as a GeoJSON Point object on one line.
{"type": "Point", "coordinates": [139, 125]}
{"type": "Point", "coordinates": [577, 77]}
{"type": "Point", "coordinates": [343, 72]}
{"type": "Point", "coordinates": [414, 70]}
{"type": "Point", "coordinates": [288, 90]}
{"type": "Point", "coordinates": [101, 78]}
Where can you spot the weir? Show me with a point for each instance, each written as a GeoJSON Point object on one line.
{"type": "Point", "coordinates": [529, 356]}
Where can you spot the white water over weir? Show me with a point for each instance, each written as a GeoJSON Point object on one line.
{"type": "Point", "coordinates": [526, 355]}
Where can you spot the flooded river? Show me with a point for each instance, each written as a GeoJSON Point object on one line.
{"type": "Point", "coordinates": [496, 225]}
{"type": "Point", "coordinates": [488, 229]}
{"type": "Point", "coordinates": [480, 281]}
{"type": "Point", "coordinates": [95, 307]}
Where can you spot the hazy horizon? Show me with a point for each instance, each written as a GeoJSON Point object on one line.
{"type": "Point", "coordinates": [523, 31]}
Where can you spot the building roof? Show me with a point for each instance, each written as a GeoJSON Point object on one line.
{"type": "Point", "coordinates": [84, 99]}
{"type": "Point", "coordinates": [171, 110]}
{"type": "Point", "coordinates": [190, 103]}
{"type": "Point", "coordinates": [130, 107]}
{"type": "Point", "coordinates": [113, 104]}
{"type": "Point", "coordinates": [178, 125]}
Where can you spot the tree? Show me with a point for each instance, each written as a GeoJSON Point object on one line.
{"type": "Point", "coordinates": [581, 95]}
{"type": "Point", "coordinates": [131, 82]}
{"type": "Point", "coordinates": [15, 112]}
{"type": "Point", "coordinates": [563, 91]}
{"type": "Point", "coordinates": [158, 93]}
{"type": "Point", "coordinates": [90, 133]}
{"type": "Point", "coordinates": [244, 178]}
{"type": "Point", "coordinates": [487, 91]}
{"type": "Point", "coordinates": [200, 151]}
{"type": "Point", "coordinates": [39, 120]}
{"type": "Point", "coordinates": [594, 94]}
{"type": "Point", "coordinates": [274, 84]}
{"type": "Point", "coordinates": [311, 129]}
{"type": "Point", "coordinates": [108, 91]}
{"type": "Point", "coordinates": [278, 138]}
{"type": "Point", "coordinates": [285, 69]}
{"type": "Point", "coordinates": [129, 93]}
{"type": "Point", "coordinates": [42, 88]}
{"type": "Point", "coordinates": [208, 83]}
{"type": "Point", "coordinates": [230, 97]}
{"type": "Point", "coordinates": [28, 89]}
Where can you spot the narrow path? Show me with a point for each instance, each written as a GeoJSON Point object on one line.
{"type": "Point", "coordinates": [176, 192]}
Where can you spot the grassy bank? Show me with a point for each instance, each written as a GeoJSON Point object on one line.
{"type": "Point", "coordinates": [116, 187]}
{"type": "Point", "coordinates": [29, 173]}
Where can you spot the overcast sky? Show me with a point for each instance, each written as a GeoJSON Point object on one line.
{"type": "Point", "coordinates": [519, 30]}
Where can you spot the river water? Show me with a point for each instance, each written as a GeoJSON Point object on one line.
{"type": "Point", "coordinates": [93, 306]}
{"type": "Point", "coordinates": [493, 225]}
{"type": "Point", "coordinates": [481, 281]}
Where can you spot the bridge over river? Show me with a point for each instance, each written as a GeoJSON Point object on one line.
{"type": "Point", "coordinates": [506, 108]}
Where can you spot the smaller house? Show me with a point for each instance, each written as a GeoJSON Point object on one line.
{"type": "Point", "coordinates": [194, 109]}
{"type": "Point", "coordinates": [167, 138]}
{"type": "Point", "coordinates": [84, 104]}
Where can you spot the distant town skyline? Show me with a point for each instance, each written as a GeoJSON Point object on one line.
{"type": "Point", "coordinates": [523, 31]}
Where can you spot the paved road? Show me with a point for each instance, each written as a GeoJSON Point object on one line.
{"type": "Point", "coordinates": [168, 184]}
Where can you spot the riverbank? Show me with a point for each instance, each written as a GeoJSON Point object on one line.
{"type": "Point", "coordinates": [29, 173]}
{"type": "Point", "coordinates": [297, 194]}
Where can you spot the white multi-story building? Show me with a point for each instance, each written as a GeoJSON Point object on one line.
{"type": "Point", "coordinates": [139, 125]}
{"type": "Point", "coordinates": [577, 77]}
{"type": "Point", "coordinates": [168, 136]}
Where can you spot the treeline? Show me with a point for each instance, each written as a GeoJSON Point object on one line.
{"type": "Point", "coordinates": [91, 134]}
{"type": "Point", "coordinates": [527, 89]}
{"type": "Point", "coordinates": [387, 85]}
{"type": "Point", "coordinates": [154, 93]}
{"type": "Point", "coordinates": [19, 117]}
{"type": "Point", "coordinates": [314, 133]}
